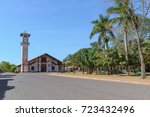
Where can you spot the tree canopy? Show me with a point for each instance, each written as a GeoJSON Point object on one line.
{"type": "Point", "coordinates": [7, 67]}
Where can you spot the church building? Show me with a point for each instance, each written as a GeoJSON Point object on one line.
{"type": "Point", "coordinates": [42, 63]}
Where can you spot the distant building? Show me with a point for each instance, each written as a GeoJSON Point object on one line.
{"type": "Point", "coordinates": [43, 63]}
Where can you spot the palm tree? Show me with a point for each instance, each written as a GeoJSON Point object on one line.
{"type": "Point", "coordinates": [102, 26]}
{"type": "Point", "coordinates": [123, 20]}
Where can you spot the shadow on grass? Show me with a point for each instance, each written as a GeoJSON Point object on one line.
{"type": "Point", "coordinates": [4, 87]}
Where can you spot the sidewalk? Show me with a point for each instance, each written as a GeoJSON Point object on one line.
{"type": "Point", "coordinates": [114, 78]}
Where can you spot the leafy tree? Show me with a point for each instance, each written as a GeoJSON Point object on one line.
{"type": "Point", "coordinates": [146, 51]}
{"type": "Point", "coordinates": [13, 68]}
{"type": "Point", "coordinates": [0, 68]}
{"type": "Point", "coordinates": [133, 55]}
{"type": "Point", "coordinates": [67, 61]}
{"type": "Point", "coordinates": [84, 59]}
{"type": "Point", "coordinates": [5, 66]}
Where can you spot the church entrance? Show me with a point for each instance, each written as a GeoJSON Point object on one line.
{"type": "Point", "coordinates": [43, 68]}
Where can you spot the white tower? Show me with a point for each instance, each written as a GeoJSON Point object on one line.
{"type": "Point", "coordinates": [25, 43]}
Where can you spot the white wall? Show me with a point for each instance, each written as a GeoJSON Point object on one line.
{"type": "Point", "coordinates": [35, 65]}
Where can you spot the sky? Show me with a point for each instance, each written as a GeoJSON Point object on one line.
{"type": "Point", "coordinates": [57, 27]}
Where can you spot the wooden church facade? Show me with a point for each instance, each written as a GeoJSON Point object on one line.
{"type": "Point", "coordinates": [44, 63]}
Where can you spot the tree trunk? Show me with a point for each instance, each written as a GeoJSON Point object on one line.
{"type": "Point", "coordinates": [143, 75]}
{"type": "Point", "coordinates": [83, 70]}
{"type": "Point", "coordinates": [138, 37]}
{"type": "Point", "coordinates": [73, 70]}
{"type": "Point", "coordinates": [97, 70]}
{"type": "Point", "coordinates": [134, 68]}
{"type": "Point", "coordinates": [88, 71]}
{"type": "Point", "coordinates": [108, 70]}
{"type": "Point", "coordinates": [117, 70]}
{"type": "Point", "coordinates": [126, 50]}
{"type": "Point", "coordinates": [91, 71]}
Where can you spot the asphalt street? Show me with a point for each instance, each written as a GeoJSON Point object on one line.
{"type": "Point", "coordinates": [35, 86]}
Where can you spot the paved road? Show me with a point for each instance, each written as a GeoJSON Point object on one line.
{"type": "Point", "coordinates": [35, 86]}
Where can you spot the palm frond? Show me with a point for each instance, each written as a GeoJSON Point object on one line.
{"type": "Point", "coordinates": [113, 10]}
{"type": "Point", "coordinates": [94, 31]}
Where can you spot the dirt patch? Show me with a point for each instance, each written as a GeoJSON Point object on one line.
{"type": "Point", "coordinates": [114, 78]}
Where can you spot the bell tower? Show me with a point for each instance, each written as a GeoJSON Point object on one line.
{"type": "Point", "coordinates": [25, 43]}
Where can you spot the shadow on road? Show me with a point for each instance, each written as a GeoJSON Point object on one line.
{"type": "Point", "coordinates": [4, 79]}
{"type": "Point", "coordinates": [4, 87]}
{"type": "Point", "coordinates": [7, 76]}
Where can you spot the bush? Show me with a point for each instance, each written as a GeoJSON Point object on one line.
{"type": "Point", "coordinates": [119, 71]}
{"type": "Point", "coordinates": [137, 72]}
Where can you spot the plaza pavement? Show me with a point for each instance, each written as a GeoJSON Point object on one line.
{"type": "Point", "coordinates": [35, 86]}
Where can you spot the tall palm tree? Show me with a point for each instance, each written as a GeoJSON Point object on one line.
{"type": "Point", "coordinates": [123, 20]}
{"type": "Point", "coordinates": [102, 26]}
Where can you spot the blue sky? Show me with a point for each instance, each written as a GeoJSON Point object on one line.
{"type": "Point", "coordinates": [57, 27]}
